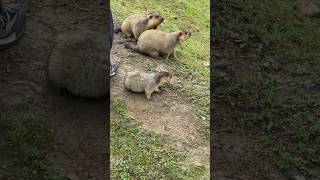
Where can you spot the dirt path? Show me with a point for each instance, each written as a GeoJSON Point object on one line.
{"type": "Point", "coordinates": [167, 112]}
{"type": "Point", "coordinates": [80, 124]}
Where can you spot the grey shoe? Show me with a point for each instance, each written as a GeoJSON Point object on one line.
{"type": "Point", "coordinates": [12, 25]}
{"type": "Point", "coordinates": [113, 70]}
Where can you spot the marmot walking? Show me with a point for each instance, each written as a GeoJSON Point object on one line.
{"type": "Point", "coordinates": [134, 25]}
{"type": "Point", "coordinates": [78, 65]}
{"type": "Point", "coordinates": [157, 43]}
{"type": "Point", "coordinates": [140, 82]}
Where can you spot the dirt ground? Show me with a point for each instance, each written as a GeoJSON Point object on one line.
{"type": "Point", "coordinates": [80, 150]}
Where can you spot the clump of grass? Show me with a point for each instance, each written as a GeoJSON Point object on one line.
{"type": "Point", "coordinates": [32, 139]}
{"type": "Point", "coordinates": [288, 118]}
{"type": "Point", "coordinates": [138, 153]}
{"type": "Point", "coordinates": [57, 3]}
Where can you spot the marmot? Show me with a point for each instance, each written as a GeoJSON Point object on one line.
{"type": "Point", "coordinates": [157, 43]}
{"type": "Point", "coordinates": [134, 25]}
{"type": "Point", "coordinates": [307, 7]}
{"type": "Point", "coordinates": [79, 66]}
{"type": "Point", "coordinates": [140, 82]}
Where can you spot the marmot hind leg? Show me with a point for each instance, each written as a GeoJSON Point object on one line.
{"type": "Point", "coordinates": [148, 94]}
{"type": "Point", "coordinates": [131, 46]}
{"type": "Point", "coordinates": [153, 54]}
{"type": "Point", "coordinates": [173, 55]}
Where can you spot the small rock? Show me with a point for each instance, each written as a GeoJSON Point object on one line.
{"type": "Point", "coordinates": [243, 45]}
{"type": "Point", "coordinates": [266, 64]}
{"type": "Point", "coordinates": [216, 54]}
{"type": "Point", "coordinates": [4, 166]}
{"type": "Point", "coordinates": [307, 7]}
{"type": "Point", "coordinates": [299, 177]}
{"type": "Point", "coordinates": [234, 35]}
{"type": "Point", "coordinates": [206, 64]}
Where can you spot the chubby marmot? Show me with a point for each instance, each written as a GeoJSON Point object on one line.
{"type": "Point", "coordinates": [134, 25]}
{"type": "Point", "coordinates": [79, 66]}
{"type": "Point", "coordinates": [307, 7]}
{"type": "Point", "coordinates": [157, 43]}
{"type": "Point", "coordinates": [140, 82]}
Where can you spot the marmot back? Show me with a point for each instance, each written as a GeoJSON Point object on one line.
{"type": "Point", "coordinates": [157, 43]}
{"type": "Point", "coordinates": [140, 82]}
{"type": "Point", "coordinates": [134, 25]}
{"type": "Point", "coordinates": [78, 64]}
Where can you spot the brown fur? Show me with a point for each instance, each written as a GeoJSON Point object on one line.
{"type": "Point", "coordinates": [157, 43]}
{"type": "Point", "coordinates": [134, 25]}
{"type": "Point", "coordinates": [84, 73]}
{"type": "Point", "coordinates": [140, 82]}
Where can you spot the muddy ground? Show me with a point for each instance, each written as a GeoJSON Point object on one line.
{"type": "Point", "coordinates": [80, 145]}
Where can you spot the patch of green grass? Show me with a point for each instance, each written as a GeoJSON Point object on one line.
{"type": "Point", "coordinates": [32, 138]}
{"type": "Point", "coordinates": [290, 122]}
{"type": "Point", "coordinates": [288, 118]}
{"type": "Point", "coordinates": [199, 100]}
{"type": "Point", "coordinates": [142, 154]}
{"type": "Point", "coordinates": [191, 15]}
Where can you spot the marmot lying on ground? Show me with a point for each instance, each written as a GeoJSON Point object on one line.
{"type": "Point", "coordinates": [157, 43]}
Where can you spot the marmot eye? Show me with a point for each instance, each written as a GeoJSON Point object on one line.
{"type": "Point", "coordinates": [157, 16]}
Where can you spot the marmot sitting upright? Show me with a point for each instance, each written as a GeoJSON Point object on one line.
{"type": "Point", "coordinates": [140, 82]}
{"type": "Point", "coordinates": [134, 25]}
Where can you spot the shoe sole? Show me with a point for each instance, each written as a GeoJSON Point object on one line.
{"type": "Point", "coordinates": [18, 37]}
{"type": "Point", "coordinates": [114, 71]}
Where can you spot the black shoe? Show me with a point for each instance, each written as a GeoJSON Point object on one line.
{"type": "Point", "coordinates": [12, 25]}
{"type": "Point", "coordinates": [113, 70]}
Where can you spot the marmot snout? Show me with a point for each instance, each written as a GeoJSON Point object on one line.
{"type": "Point", "coordinates": [141, 82]}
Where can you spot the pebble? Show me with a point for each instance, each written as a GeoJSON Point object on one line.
{"type": "Point", "coordinates": [299, 177]}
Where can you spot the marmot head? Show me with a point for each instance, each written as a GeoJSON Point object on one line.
{"type": "Point", "coordinates": [183, 35]}
{"type": "Point", "coordinates": [162, 77]}
{"type": "Point", "coordinates": [154, 20]}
